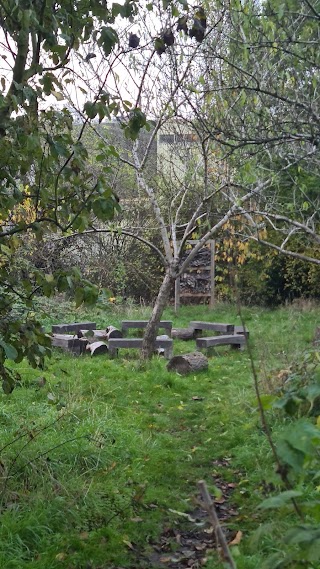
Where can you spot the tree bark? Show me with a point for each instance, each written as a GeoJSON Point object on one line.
{"type": "Point", "coordinates": [159, 306]}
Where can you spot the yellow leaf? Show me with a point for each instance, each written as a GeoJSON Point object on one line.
{"type": "Point", "coordinates": [236, 540]}
{"type": "Point", "coordinates": [318, 421]}
{"type": "Point", "coordinates": [57, 95]}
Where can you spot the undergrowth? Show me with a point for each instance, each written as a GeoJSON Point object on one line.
{"type": "Point", "coordinates": [98, 456]}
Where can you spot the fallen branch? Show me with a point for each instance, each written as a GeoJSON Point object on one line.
{"type": "Point", "coordinates": [209, 506]}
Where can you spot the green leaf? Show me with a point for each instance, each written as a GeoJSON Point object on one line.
{"type": "Point", "coordinates": [79, 296]}
{"type": "Point", "coordinates": [279, 501]}
{"type": "Point", "coordinates": [303, 534]}
{"type": "Point", "coordinates": [90, 109]}
{"type": "Point", "coordinates": [10, 351]}
{"type": "Point", "coordinates": [267, 401]}
{"type": "Point", "coordinates": [108, 39]}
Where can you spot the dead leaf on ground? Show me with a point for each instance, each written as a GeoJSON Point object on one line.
{"type": "Point", "coordinates": [236, 540]}
{"type": "Point", "coordinates": [128, 543]}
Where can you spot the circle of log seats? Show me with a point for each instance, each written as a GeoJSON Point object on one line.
{"type": "Point", "coordinates": [188, 363]}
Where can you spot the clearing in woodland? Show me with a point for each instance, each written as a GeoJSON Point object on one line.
{"type": "Point", "coordinates": [100, 458]}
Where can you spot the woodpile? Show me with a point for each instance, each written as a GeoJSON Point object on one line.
{"type": "Point", "coordinates": [197, 280]}
{"type": "Point", "coordinates": [202, 259]}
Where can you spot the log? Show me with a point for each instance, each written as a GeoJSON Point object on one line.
{"type": "Point", "coordinates": [97, 348]}
{"type": "Point", "coordinates": [188, 363]}
{"type": "Point", "coordinates": [183, 333]}
{"type": "Point", "coordinates": [113, 332]}
{"type": "Point", "coordinates": [93, 335]}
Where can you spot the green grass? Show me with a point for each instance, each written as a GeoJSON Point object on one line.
{"type": "Point", "coordinates": [91, 472]}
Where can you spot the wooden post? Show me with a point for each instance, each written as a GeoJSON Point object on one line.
{"type": "Point", "coordinates": [212, 273]}
{"type": "Point", "coordinates": [177, 295]}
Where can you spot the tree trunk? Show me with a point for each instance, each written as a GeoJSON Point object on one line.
{"type": "Point", "coordinates": [159, 306]}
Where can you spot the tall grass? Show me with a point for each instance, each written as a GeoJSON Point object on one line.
{"type": "Point", "coordinates": [98, 455]}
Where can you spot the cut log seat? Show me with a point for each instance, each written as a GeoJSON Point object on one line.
{"type": "Point", "coordinates": [183, 333]}
{"type": "Point", "coordinates": [93, 335]}
{"type": "Point", "coordinates": [213, 326]}
{"type": "Point", "coordinates": [236, 341]}
{"type": "Point", "coordinates": [188, 363]}
{"type": "Point", "coordinates": [97, 348]}
{"type": "Point", "coordinates": [140, 324]}
{"type": "Point", "coordinates": [73, 327]}
{"type": "Point", "coordinates": [100, 335]}
{"type": "Point", "coordinates": [115, 343]}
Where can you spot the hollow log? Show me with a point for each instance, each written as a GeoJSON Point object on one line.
{"type": "Point", "coordinates": [93, 335]}
{"type": "Point", "coordinates": [183, 333]}
{"type": "Point", "coordinates": [97, 348]}
{"type": "Point", "coordinates": [113, 332]}
{"type": "Point", "coordinates": [188, 363]}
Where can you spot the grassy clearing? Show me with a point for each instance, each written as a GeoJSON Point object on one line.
{"type": "Point", "coordinates": [96, 452]}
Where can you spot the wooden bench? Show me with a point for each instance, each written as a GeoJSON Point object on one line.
{"type": "Point", "coordinates": [213, 326]}
{"type": "Point", "coordinates": [73, 327]}
{"type": "Point", "coordinates": [235, 341]}
{"type": "Point", "coordinates": [115, 343]}
{"type": "Point", "coordinates": [241, 330]}
{"type": "Point", "coordinates": [69, 343]}
{"type": "Point", "coordinates": [141, 324]}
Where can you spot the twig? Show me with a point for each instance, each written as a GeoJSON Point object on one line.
{"type": "Point", "coordinates": [209, 506]}
{"type": "Point", "coordinates": [280, 468]}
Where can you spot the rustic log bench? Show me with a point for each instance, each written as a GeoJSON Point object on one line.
{"type": "Point", "coordinates": [140, 324]}
{"type": "Point", "coordinates": [73, 327]}
{"type": "Point", "coordinates": [69, 343]}
{"type": "Point", "coordinates": [235, 341]}
{"type": "Point", "coordinates": [213, 326]}
{"type": "Point", "coordinates": [115, 343]}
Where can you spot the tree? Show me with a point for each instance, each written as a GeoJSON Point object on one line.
{"type": "Point", "coordinates": [54, 54]}
{"type": "Point", "coordinates": [250, 90]}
